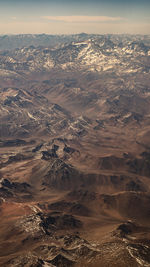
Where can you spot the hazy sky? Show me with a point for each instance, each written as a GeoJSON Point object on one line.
{"type": "Point", "coordinates": [74, 16]}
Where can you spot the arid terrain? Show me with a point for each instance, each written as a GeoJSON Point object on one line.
{"type": "Point", "coordinates": [75, 151]}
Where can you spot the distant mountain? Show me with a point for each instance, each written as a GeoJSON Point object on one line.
{"type": "Point", "coordinates": [10, 42]}
{"type": "Point", "coordinates": [93, 54]}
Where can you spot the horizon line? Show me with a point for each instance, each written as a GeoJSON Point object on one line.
{"type": "Point", "coordinates": [67, 34]}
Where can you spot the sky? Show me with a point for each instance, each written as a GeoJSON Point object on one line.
{"type": "Point", "coordinates": [74, 16]}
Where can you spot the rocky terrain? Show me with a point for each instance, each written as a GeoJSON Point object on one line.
{"type": "Point", "coordinates": [75, 150]}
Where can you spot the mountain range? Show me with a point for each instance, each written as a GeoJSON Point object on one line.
{"type": "Point", "coordinates": [75, 150]}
